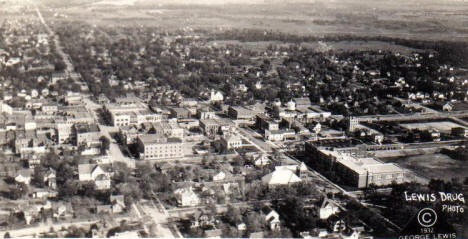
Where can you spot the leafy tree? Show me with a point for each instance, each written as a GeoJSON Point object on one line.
{"type": "Point", "coordinates": [38, 176]}
{"type": "Point", "coordinates": [105, 144]}
{"type": "Point", "coordinates": [17, 190]}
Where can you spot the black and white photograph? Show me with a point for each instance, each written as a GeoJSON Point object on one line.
{"type": "Point", "coordinates": [333, 119]}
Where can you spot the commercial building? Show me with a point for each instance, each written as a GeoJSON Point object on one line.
{"type": "Point", "coordinates": [153, 146]}
{"type": "Point", "coordinates": [87, 134]}
{"type": "Point", "coordinates": [239, 112]}
{"type": "Point", "coordinates": [131, 114]}
{"type": "Point", "coordinates": [231, 141]}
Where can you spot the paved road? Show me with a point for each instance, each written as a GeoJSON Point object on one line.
{"type": "Point", "coordinates": [149, 213]}
{"type": "Point", "coordinates": [29, 231]}
{"type": "Point", "coordinates": [66, 58]}
{"type": "Point", "coordinates": [115, 154]}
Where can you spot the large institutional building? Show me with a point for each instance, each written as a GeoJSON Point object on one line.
{"type": "Point", "coordinates": [359, 171]}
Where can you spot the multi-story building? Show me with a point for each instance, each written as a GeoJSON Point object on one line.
{"type": "Point", "coordinates": [263, 122]}
{"type": "Point", "coordinates": [239, 112]}
{"type": "Point", "coordinates": [86, 134]}
{"type": "Point", "coordinates": [205, 112]}
{"type": "Point", "coordinates": [210, 126]}
{"type": "Point", "coordinates": [357, 170]}
{"type": "Point", "coordinates": [64, 132]}
{"type": "Point", "coordinates": [180, 113]}
{"type": "Point", "coordinates": [153, 146]}
{"type": "Point", "coordinates": [131, 114]}
{"type": "Point", "coordinates": [168, 129]}
{"type": "Point", "coordinates": [231, 141]}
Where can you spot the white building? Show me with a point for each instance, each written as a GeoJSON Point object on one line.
{"type": "Point", "coordinates": [152, 146]}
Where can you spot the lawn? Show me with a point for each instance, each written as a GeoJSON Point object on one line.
{"type": "Point", "coordinates": [433, 166]}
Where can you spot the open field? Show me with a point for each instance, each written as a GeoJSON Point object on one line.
{"type": "Point", "coordinates": [425, 19]}
{"type": "Point", "coordinates": [442, 126]}
{"type": "Point", "coordinates": [433, 165]}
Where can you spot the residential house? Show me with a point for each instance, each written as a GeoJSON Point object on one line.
{"type": "Point", "coordinates": [327, 209]}
{"type": "Point", "coordinates": [50, 178]}
{"type": "Point", "coordinates": [186, 197]}
{"type": "Point", "coordinates": [271, 218]}
{"type": "Point", "coordinates": [219, 176]}
{"type": "Point", "coordinates": [262, 160]}
{"type": "Point", "coordinates": [24, 176]}
{"type": "Point", "coordinates": [117, 203]}
{"type": "Point", "coordinates": [447, 107]}
{"type": "Point", "coordinates": [95, 173]}
{"type": "Point", "coordinates": [216, 96]}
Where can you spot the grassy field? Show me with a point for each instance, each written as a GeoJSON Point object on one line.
{"type": "Point", "coordinates": [433, 166]}
{"type": "Point", "coordinates": [442, 126]}
{"type": "Point", "coordinates": [423, 19]}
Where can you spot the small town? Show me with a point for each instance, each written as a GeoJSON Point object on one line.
{"type": "Point", "coordinates": [140, 132]}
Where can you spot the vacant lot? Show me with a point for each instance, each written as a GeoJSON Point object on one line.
{"type": "Point", "coordinates": [433, 166]}
{"type": "Point", "coordinates": [442, 126]}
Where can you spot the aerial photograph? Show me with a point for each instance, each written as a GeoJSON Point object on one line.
{"type": "Point", "coordinates": [339, 119]}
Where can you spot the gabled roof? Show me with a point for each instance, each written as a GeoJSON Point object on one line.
{"type": "Point", "coordinates": [281, 176]}
{"type": "Point", "coordinates": [26, 173]}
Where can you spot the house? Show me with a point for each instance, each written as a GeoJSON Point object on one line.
{"type": "Point", "coordinates": [33, 161]}
{"type": "Point", "coordinates": [271, 218]}
{"type": "Point", "coordinates": [328, 208]}
{"type": "Point", "coordinates": [117, 203]}
{"type": "Point", "coordinates": [262, 160]}
{"type": "Point", "coordinates": [186, 197]}
{"type": "Point", "coordinates": [219, 176]}
{"type": "Point", "coordinates": [24, 176]}
{"type": "Point", "coordinates": [201, 219]}
{"type": "Point", "coordinates": [283, 175]}
{"type": "Point", "coordinates": [216, 96]}
{"type": "Point", "coordinates": [95, 173]}
{"type": "Point", "coordinates": [241, 226]}
{"type": "Point", "coordinates": [50, 178]}
{"type": "Point", "coordinates": [231, 141]}
{"type": "Point", "coordinates": [43, 193]}
{"type": "Point", "coordinates": [102, 99]}
{"type": "Point", "coordinates": [447, 107]}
